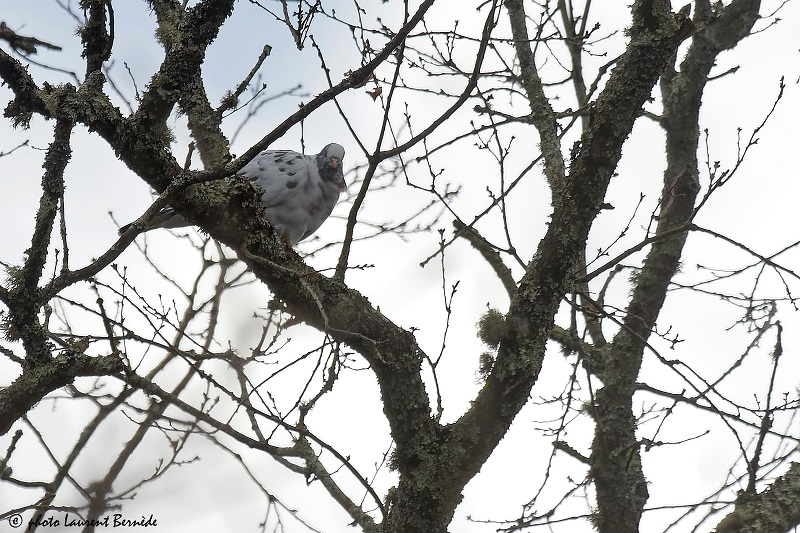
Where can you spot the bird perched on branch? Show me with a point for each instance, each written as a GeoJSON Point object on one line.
{"type": "Point", "coordinates": [300, 191]}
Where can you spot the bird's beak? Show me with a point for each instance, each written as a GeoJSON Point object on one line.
{"type": "Point", "coordinates": [334, 162]}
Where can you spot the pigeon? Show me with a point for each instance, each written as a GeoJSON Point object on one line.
{"type": "Point", "coordinates": [300, 191]}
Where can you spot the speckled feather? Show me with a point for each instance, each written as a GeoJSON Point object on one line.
{"type": "Point", "coordinates": [300, 191]}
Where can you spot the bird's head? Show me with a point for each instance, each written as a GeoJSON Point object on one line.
{"type": "Point", "coordinates": [329, 163]}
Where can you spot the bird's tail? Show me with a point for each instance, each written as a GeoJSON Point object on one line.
{"type": "Point", "coordinates": [167, 218]}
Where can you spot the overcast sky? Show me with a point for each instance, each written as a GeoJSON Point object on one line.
{"type": "Point", "coordinates": [757, 208]}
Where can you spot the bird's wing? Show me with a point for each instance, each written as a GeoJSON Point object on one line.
{"type": "Point", "coordinates": [278, 173]}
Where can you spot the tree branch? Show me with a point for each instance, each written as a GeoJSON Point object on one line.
{"type": "Point", "coordinates": [616, 462]}
{"type": "Point", "coordinates": [34, 384]}
{"type": "Point", "coordinates": [773, 511]}
{"type": "Point", "coordinates": [542, 114]}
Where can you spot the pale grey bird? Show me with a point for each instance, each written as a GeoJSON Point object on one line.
{"type": "Point", "coordinates": [300, 191]}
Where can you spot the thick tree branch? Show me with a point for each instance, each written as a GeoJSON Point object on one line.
{"type": "Point", "coordinates": [773, 511]}
{"type": "Point", "coordinates": [616, 463]}
{"type": "Point", "coordinates": [542, 113]}
{"type": "Point", "coordinates": [23, 298]}
{"type": "Point", "coordinates": [34, 384]}
{"type": "Point", "coordinates": [97, 39]}
{"type": "Point", "coordinates": [185, 36]}
{"type": "Point", "coordinates": [27, 99]}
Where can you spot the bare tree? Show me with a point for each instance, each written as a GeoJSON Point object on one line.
{"type": "Point", "coordinates": [499, 93]}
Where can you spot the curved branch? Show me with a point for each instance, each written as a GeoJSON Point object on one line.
{"type": "Point", "coordinates": [34, 384]}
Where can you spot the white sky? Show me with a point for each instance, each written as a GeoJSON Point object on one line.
{"type": "Point", "coordinates": [757, 208]}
